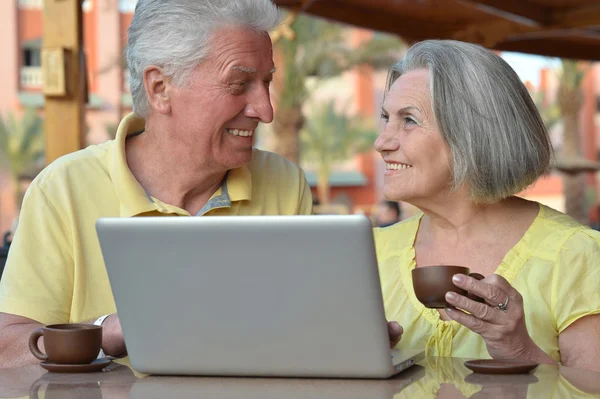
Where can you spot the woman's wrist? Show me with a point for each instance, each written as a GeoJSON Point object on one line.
{"type": "Point", "coordinates": [536, 354]}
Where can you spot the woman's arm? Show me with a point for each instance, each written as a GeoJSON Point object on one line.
{"type": "Point", "coordinates": [579, 343]}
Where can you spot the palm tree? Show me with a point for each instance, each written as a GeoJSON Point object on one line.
{"type": "Point", "coordinates": [569, 159]}
{"type": "Point", "coordinates": [569, 103]}
{"type": "Point", "coordinates": [22, 146]}
{"type": "Point", "coordinates": [329, 136]}
{"type": "Point", "coordinates": [316, 48]}
{"type": "Point", "coordinates": [549, 111]}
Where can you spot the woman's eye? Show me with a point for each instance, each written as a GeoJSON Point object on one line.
{"type": "Point", "coordinates": [385, 117]}
{"type": "Point", "coordinates": [409, 121]}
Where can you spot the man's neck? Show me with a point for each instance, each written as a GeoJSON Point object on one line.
{"type": "Point", "coordinates": [174, 177]}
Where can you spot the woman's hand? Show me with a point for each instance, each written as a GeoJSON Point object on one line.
{"type": "Point", "coordinates": [395, 332]}
{"type": "Point", "coordinates": [500, 321]}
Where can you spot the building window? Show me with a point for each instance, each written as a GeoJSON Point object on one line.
{"type": "Point", "coordinates": [31, 64]}
{"type": "Point", "coordinates": [127, 5]}
{"type": "Point", "coordinates": [32, 57]}
{"type": "Point", "coordinates": [31, 4]}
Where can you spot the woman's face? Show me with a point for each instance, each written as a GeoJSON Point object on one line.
{"type": "Point", "coordinates": [416, 157]}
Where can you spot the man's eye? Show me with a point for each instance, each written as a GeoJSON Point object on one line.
{"type": "Point", "coordinates": [409, 121]}
{"type": "Point", "coordinates": [385, 117]}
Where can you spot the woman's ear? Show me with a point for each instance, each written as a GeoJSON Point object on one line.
{"type": "Point", "coordinates": [156, 86]}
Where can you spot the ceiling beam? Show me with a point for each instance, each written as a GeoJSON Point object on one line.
{"type": "Point", "coordinates": [491, 33]}
{"type": "Point", "coordinates": [409, 29]}
{"type": "Point", "coordinates": [584, 16]}
{"type": "Point", "coordinates": [508, 34]}
{"type": "Point", "coordinates": [516, 11]}
{"type": "Point", "coordinates": [558, 48]}
{"type": "Point", "coordinates": [587, 34]}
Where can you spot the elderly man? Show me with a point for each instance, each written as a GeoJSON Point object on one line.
{"type": "Point", "coordinates": [200, 75]}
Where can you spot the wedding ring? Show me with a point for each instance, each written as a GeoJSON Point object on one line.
{"type": "Point", "coordinates": [502, 306]}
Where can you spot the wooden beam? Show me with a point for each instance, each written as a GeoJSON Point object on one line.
{"type": "Point", "coordinates": [582, 50]}
{"type": "Point", "coordinates": [491, 33]}
{"type": "Point", "coordinates": [409, 29]}
{"type": "Point", "coordinates": [557, 34]}
{"type": "Point", "coordinates": [516, 11]}
{"type": "Point", "coordinates": [64, 115]}
{"type": "Point", "coordinates": [577, 17]}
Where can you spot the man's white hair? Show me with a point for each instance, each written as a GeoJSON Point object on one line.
{"type": "Point", "coordinates": [175, 35]}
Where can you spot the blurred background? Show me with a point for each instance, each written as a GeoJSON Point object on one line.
{"type": "Point", "coordinates": [332, 57]}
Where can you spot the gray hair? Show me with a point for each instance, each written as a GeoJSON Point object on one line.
{"type": "Point", "coordinates": [175, 35]}
{"type": "Point", "coordinates": [497, 140]}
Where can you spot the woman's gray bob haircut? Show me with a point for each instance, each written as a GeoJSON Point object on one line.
{"type": "Point", "coordinates": [497, 139]}
{"type": "Point", "coordinates": [175, 34]}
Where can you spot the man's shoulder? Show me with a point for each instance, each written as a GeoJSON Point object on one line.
{"type": "Point", "coordinates": [273, 165]}
{"type": "Point", "coordinates": [75, 167]}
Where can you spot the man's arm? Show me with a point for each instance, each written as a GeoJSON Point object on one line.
{"type": "Point", "coordinates": [305, 205]}
{"type": "Point", "coordinates": [14, 340]}
{"type": "Point", "coordinates": [113, 343]}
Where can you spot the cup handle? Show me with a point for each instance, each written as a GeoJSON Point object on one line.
{"type": "Point", "coordinates": [34, 391]}
{"type": "Point", "coordinates": [474, 297]}
{"type": "Point", "coordinates": [33, 344]}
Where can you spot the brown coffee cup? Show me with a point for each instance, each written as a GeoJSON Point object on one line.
{"type": "Point", "coordinates": [67, 343]}
{"type": "Point", "coordinates": [431, 283]}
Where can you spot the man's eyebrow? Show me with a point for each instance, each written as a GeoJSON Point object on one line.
{"type": "Point", "coordinates": [250, 70]}
{"type": "Point", "coordinates": [243, 68]}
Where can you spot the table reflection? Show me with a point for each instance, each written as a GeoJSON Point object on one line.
{"type": "Point", "coordinates": [441, 378]}
{"type": "Point", "coordinates": [273, 388]}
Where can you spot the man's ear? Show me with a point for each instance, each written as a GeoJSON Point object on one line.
{"type": "Point", "coordinates": [156, 86]}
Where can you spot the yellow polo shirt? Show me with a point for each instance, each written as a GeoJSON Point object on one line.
{"type": "Point", "coordinates": [554, 267]}
{"type": "Point", "coordinates": [55, 272]}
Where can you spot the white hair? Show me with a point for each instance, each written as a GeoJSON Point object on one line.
{"type": "Point", "coordinates": [498, 142]}
{"type": "Point", "coordinates": [175, 35]}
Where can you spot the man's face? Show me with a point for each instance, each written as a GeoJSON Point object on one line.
{"type": "Point", "coordinates": [217, 110]}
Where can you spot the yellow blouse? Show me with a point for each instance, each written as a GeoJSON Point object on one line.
{"type": "Point", "coordinates": [555, 267]}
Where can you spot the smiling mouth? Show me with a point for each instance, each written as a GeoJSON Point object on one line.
{"type": "Point", "coordinates": [240, 132]}
{"type": "Point", "coordinates": [397, 166]}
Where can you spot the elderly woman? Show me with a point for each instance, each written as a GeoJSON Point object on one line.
{"type": "Point", "coordinates": [460, 138]}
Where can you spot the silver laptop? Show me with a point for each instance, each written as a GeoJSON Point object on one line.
{"type": "Point", "coordinates": [287, 296]}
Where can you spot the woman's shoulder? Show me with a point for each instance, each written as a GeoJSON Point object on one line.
{"type": "Point", "coordinates": [554, 229]}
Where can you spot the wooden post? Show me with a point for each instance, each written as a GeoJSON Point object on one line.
{"type": "Point", "coordinates": [64, 114]}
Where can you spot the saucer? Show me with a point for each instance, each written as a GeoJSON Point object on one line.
{"type": "Point", "coordinates": [501, 366]}
{"type": "Point", "coordinates": [96, 365]}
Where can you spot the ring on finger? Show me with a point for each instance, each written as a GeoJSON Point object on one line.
{"type": "Point", "coordinates": [502, 306]}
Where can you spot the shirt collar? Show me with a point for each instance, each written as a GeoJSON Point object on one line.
{"type": "Point", "coordinates": [133, 198]}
